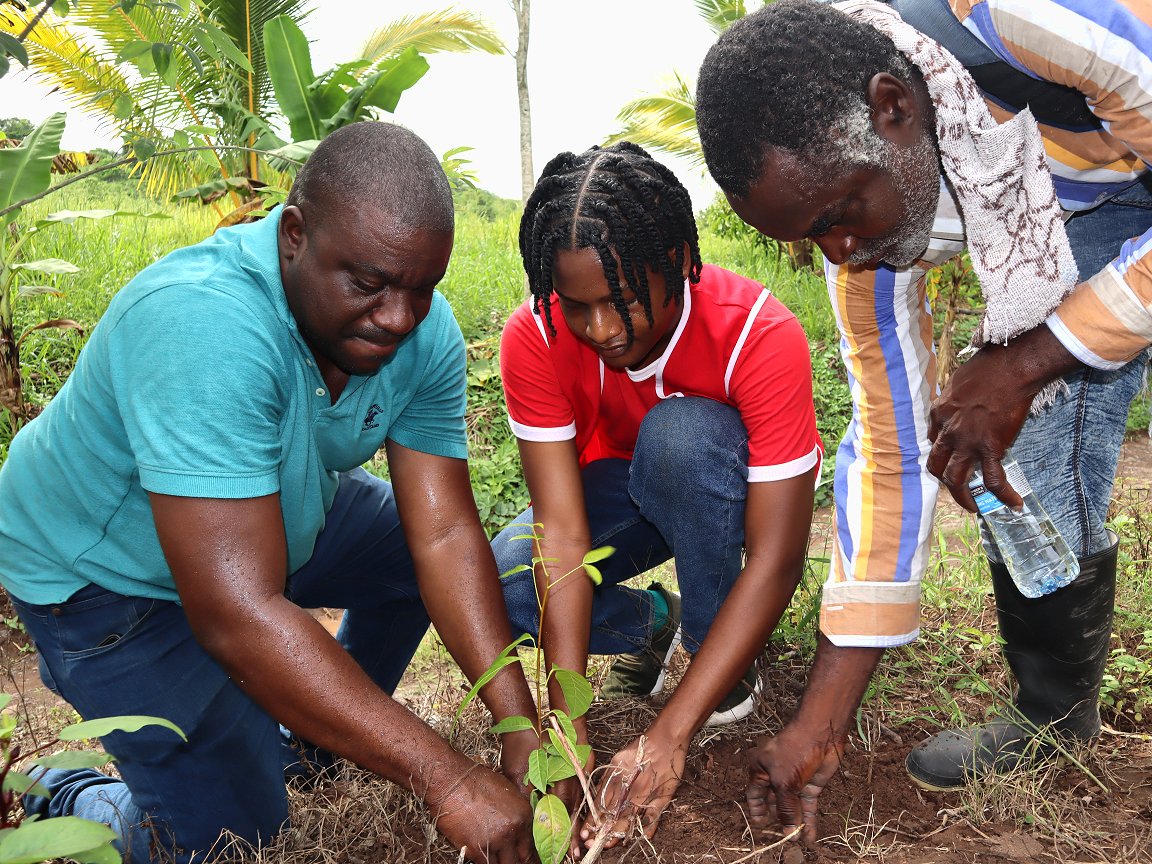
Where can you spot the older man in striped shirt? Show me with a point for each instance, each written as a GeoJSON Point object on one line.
{"type": "Point", "coordinates": [843, 124]}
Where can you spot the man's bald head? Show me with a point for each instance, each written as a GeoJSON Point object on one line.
{"type": "Point", "coordinates": [378, 166]}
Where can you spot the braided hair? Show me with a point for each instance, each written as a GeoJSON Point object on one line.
{"type": "Point", "coordinates": [624, 204]}
{"type": "Point", "coordinates": [791, 76]}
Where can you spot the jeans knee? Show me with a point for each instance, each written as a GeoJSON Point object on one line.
{"type": "Point", "coordinates": [687, 441]}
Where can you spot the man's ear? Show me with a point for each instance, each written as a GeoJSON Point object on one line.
{"type": "Point", "coordinates": [895, 111]}
{"type": "Point", "coordinates": [291, 234]}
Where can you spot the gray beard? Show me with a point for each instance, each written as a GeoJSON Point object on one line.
{"type": "Point", "coordinates": [916, 173]}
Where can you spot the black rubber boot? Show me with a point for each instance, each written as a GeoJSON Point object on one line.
{"type": "Point", "coordinates": [1056, 646]}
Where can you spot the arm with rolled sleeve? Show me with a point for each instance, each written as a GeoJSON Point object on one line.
{"type": "Point", "coordinates": [1103, 50]}
{"type": "Point", "coordinates": [884, 499]}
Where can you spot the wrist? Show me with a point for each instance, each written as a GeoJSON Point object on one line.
{"type": "Point", "coordinates": [1037, 358]}
{"type": "Point", "coordinates": [671, 732]}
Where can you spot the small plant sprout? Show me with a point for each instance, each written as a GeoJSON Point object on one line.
{"type": "Point", "coordinates": [560, 756]}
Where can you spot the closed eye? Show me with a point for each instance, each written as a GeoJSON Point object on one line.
{"type": "Point", "coordinates": [827, 220]}
{"type": "Point", "coordinates": [821, 226]}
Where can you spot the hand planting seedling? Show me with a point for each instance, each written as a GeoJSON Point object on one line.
{"type": "Point", "coordinates": [561, 755]}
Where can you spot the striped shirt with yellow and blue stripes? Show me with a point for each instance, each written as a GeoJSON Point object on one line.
{"type": "Point", "coordinates": [884, 496]}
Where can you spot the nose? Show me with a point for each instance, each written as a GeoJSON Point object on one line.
{"type": "Point", "coordinates": [603, 323]}
{"type": "Point", "coordinates": [837, 246]}
{"type": "Point", "coordinates": [393, 313]}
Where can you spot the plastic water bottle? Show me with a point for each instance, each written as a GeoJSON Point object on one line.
{"type": "Point", "coordinates": [1036, 556]}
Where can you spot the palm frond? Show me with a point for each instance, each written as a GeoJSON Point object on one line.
{"type": "Point", "coordinates": [243, 21]}
{"type": "Point", "coordinates": [83, 70]}
{"type": "Point", "coordinates": [673, 108]}
{"type": "Point", "coordinates": [684, 145]}
{"type": "Point", "coordinates": [720, 14]}
{"type": "Point", "coordinates": [664, 121]}
{"type": "Point", "coordinates": [444, 30]}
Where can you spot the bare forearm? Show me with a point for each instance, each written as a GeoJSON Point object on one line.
{"type": "Point", "coordinates": [302, 677]}
{"type": "Point", "coordinates": [461, 590]}
{"type": "Point", "coordinates": [836, 684]}
{"type": "Point", "coordinates": [737, 635]}
{"type": "Point", "coordinates": [566, 594]}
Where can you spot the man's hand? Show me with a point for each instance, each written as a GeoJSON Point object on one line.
{"type": "Point", "coordinates": [637, 787]}
{"type": "Point", "coordinates": [487, 817]}
{"type": "Point", "coordinates": [977, 417]}
{"type": "Point", "coordinates": [786, 775]}
{"type": "Point", "coordinates": [515, 747]}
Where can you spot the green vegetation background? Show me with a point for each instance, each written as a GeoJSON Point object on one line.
{"type": "Point", "coordinates": [485, 282]}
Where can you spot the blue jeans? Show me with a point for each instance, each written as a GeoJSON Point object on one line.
{"type": "Point", "coordinates": [681, 496]}
{"type": "Point", "coordinates": [1069, 452]}
{"type": "Point", "coordinates": [109, 654]}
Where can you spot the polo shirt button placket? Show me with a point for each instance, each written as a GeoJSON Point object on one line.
{"type": "Point", "coordinates": [320, 391]}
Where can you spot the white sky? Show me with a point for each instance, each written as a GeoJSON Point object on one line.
{"type": "Point", "coordinates": [586, 59]}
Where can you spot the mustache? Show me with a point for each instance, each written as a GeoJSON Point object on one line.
{"type": "Point", "coordinates": [380, 337]}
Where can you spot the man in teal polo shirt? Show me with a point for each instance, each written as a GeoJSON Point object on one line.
{"type": "Point", "coordinates": [196, 483]}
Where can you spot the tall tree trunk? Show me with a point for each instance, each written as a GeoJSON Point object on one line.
{"type": "Point", "coordinates": [527, 174]}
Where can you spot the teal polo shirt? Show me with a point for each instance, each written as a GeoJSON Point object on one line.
{"type": "Point", "coordinates": [196, 383]}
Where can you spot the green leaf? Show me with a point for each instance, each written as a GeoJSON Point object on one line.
{"type": "Point", "coordinates": [36, 291]}
{"type": "Point", "coordinates": [193, 58]}
{"type": "Point", "coordinates": [133, 50]}
{"type": "Point", "coordinates": [12, 46]}
{"type": "Point", "coordinates": [67, 217]}
{"type": "Point", "coordinates": [538, 770]}
{"type": "Point", "coordinates": [511, 724]}
{"type": "Point", "coordinates": [122, 107]}
{"type": "Point", "coordinates": [162, 58]}
{"type": "Point", "coordinates": [565, 724]}
{"type": "Point", "coordinates": [60, 7]}
{"type": "Point", "coordinates": [381, 89]}
{"type": "Point", "coordinates": [505, 658]}
{"type": "Point", "coordinates": [291, 156]}
{"type": "Point", "coordinates": [386, 86]}
{"type": "Point", "coordinates": [4, 65]}
{"type": "Point", "coordinates": [206, 42]}
{"type": "Point", "coordinates": [4, 700]}
{"type": "Point", "coordinates": [223, 42]}
{"type": "Point", "coordinates": [599, 554]}
{"type": "Point", "coordinates": [104, 725]}
{"type": "Point", "coordinates": [63, 837]}
{"type": "Point", "coordinates": [99, 855]}
{"type": "Point", "coordinates": [290, 69]}
{"type": "Point", "coordinates": [26, 170]}
{"type": "Point", "coordinates": [205, 191]}
{"type": "Point", "coordinates": [577, 691]}
{"type": "Point", "coordinates": [73, 759]}
{"type": "Point", "coordinates": [551, 827]}
{"type": "Point", "coordinates": [519, 568]}
{"type": "Point", "coordinates": [560, 767]}
{"type": "Point", "coordinates": [20, 783]}
{"type": "Point", "coordinates": [53, 266]}
{"type": "Point", "coordinates": [593, 573]}
{"type": "Point", "coordinates": [142, 149]}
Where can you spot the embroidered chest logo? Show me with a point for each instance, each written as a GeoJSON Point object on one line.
{"type": "Point", "coordinates": [370, 418]}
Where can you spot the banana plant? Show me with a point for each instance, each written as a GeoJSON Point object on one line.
{"type": "Point", "coordinates": [25, 172]}
{"type": "Point", "coordinates": [316, 105]}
